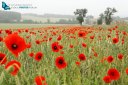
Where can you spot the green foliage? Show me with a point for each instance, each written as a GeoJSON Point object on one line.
{"type": "Point", "coordinates": [100, 20]}
{"type": "Point", "coordinates": [81, 14]}
{"type": "Point", "coordinates": [108, 15]}
{"type": "Point", "coordinates": [80, 19]}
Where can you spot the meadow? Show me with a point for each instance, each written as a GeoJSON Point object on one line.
{"type": "Point", "coordinates": [64, 55]}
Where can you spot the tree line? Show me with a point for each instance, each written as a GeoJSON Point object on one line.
{"type": "Point", "coordinates": [106, 16]}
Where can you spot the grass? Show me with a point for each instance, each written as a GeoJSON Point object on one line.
{"type": "Point", "coordinates": [18, 26]}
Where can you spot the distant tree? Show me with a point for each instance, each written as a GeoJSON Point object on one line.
{"type": "Point", "coordinates": [48, 21]}
{"type": "Point", "coordinates": [81, 14]}
{"type": "Point", "coordinates": [29, 22]}
{"type": "Point", "coordinates": [100, 20]}
{"type": "Point", "coordinates": [108, 15]}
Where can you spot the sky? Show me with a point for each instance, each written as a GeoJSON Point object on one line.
{"type": "Point", "coordinates": [67, 7]}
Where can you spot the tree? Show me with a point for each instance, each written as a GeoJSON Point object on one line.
{"type": "Point", "coordinates": [81, 14]}
{"type": "Point", "coordinates": [48, 21]}
{"type": "Point", "coordinates": [108, 15]}
{"type": "Point", "coordinates": [100, 20]}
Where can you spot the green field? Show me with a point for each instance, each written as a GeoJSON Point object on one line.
{"type": "Point", "coordinates": [97, 44]}
{"type": "Point", "coordinates": [16, 26]}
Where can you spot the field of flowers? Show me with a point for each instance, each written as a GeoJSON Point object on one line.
{"type": "Point", "coordinates": [64, 55]}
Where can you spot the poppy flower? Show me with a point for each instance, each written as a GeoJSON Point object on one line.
{"type": "Point", "coordinates": [59, 38]}
{"type": "Point", "coordinates": [92, 37]}
{"type": "Point", "coordinates": [1, 39]}
{"type": "Point", "coordinates": [60, 62]}
{"type": "Point", "coordinates": [26, 30]}
{"type": "Point", "coordinates": [84, 45]}
{"type": "Point", "coordinates": [82, 57]}
{"type": "Point", "coordinates": [78, 63]}
{"type": "Point", "coordinates": [15, 43]}
{"type": "Point", "coordinates": [107, 79]}
{"type": "Point", "coordinates": [120, 56]}
{"type": "Point", "coordinates": [109, 36]}
{"type": "Point", "coordinates": [31, 54]}
{"type": "Point", "coordinates": [50, 39]}
{"type": "Point", "coordinates": [115, 40]}
{"type": "Point", "coordinates": [28, 45]}
{"type": "Point", "coordinates": [16, 66]}
{"type": "Point", "coordinates": [82, 34]}
{"type": "Point", "coordinates": [110, 59]}
{"type": "Point", "coordinates": [62, 52]}
{"type": "Point", "coordinates": [55, 47]}
{"type": "Point", "coordinates": [40, 80]}
{"type": "Point", "coordinates": [3, 58]}
{"type": "Point", "coordinates": [37, 42]}
{"type": "Point", "coordinates": [71, 46]}
{"type": "Point", "coordinates": [8, 31]}
{"type": "Point", "coordinates": [127, 71]}
{"type": "Point", "coordinates": [113, 73]}
{"type": "Point", "coordinates": [38, 56]}
{"type": "Point", "coordinates": [61, 47]}
{"type": "Point", "coordinates": [95, 54]}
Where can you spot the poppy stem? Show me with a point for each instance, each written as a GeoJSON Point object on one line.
{"type": "Point", "coordinates": [81, 72]}
{"type": "Point", "coordinates": [1, 78]}
{"type": "Point", "coordinates": [24, 77]}
{"type": "Point", "coordinates": [17, 80]}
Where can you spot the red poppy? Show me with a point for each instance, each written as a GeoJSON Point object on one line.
{"type": "Point", "coordinates": [1, 39]}
{"type": "Point", "coordinates": [8, 31]}
{"type": "Point", "coordinates": [82, 34]}
{"type": "Point", "coordinates": [40, 80]}
{"type": "Point", "coordinates": [92, 37]}
{"type": "Point", "coordinates": [127, 71]}
{"type": "Point", "coordinates": [16, 66]}
{"type": "Point", "coordinates": [31, 54]}
{"type": "Point", "coordinates": [26, 30]}
{"type": "Point", "coordinates": [78, 63]}
{"type": "Point", "coordinates": [71, 46]}
{"type": "Point", "coordinates": [82, 57]}
{"type": "Point", "coordinates": [110, 59]}
{"type": "Point", "coordinates": [38, 56]}
{"type": "Point", "coordinates": [84, 45]}
{"type": "Point", "coordinates": [95, 54]}
{"type": "Point", "coordinates": [61, 47]}
{"type": "Point", "coordinates": [109, 36]}
{"type": "Point", "coordinates": [55, 47]}
{"type": "Point", "coordinates": [59, 38]}
{"type": "Point", "coordinates": [60, 62]}
{"type": "Point", "coordinates": [37, 42]}
{"type": "Point", "coordinates": [15, 43]}
{"type": "Point", "coordinates": [50, 39]}
{"type": "Point", "coordinates": [113, 73]}
{"type": "Point", "coordinates": [107, 79]}
{"type": "Point", "coordinates": [62, 52]}
{"type": "Point", "coordinates": [28, 45]}
{"type": "Point", "coordinates": [3, 58]}
{"type": "Point", "coordinates": [120, 56]}
{"type": "Point", "coordinates": [115, 40]}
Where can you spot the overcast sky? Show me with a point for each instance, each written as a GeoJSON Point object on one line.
{"type": "Point", "coordinates": [95, 7]}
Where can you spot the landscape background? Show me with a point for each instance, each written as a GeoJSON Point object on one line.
{"type": "Point", "coordinates": [29, 18]}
